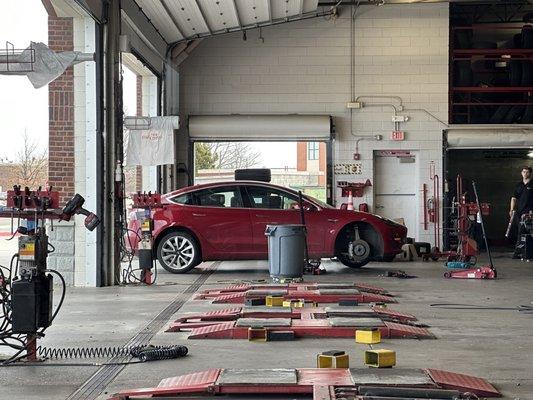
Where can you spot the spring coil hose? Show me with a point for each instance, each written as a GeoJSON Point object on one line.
{"type": "Point", "coordinates": [143, 353]}
{"type": "Point", "coordinates": [162, 353]}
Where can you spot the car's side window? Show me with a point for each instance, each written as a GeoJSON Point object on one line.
{"type": "Point", "coordinates": [261, 197]}
{"type": "Point", "coordinates": [219, 197]}
{"type": "Point", "coordinates": [185, 199]}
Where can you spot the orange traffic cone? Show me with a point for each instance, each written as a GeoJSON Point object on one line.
{"type": "Point", "coordinates": [350, 201]}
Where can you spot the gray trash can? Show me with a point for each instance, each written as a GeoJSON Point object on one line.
{"type": "Point", "coordinates": [286, 251]}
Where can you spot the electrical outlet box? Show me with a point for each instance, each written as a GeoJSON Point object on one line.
{"type": "Point", "coordinates": [400, 118]}
{"type": "Point", "coordinates": [354, 104]}
{"type": "Point", "coordinates": [356, 156]}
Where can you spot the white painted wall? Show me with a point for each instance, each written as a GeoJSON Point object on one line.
{"type": "Point", "coordinates": [85, 145]}
{"type": "Point", "coordinates": [304, 67]}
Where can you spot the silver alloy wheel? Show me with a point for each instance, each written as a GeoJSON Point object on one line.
{"type": "Point", "coordinates": [177, 252]}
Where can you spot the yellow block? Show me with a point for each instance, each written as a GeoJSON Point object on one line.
{"type": "Point", "coordinates": [333, 359]}
{"type": "Point", "coordinates": [257, 334]}
{"type": "Point", "coordinates": [274, 301]}
{"type": "Point", "coordinates": [294, 303]}
{"type": "Point", "coordinates": [380, 358]}
{"type": "Point", "coordinates": [368, 337]}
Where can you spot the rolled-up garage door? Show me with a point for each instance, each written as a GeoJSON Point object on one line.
{"type": "Point", "coordinates": [487, 138]}
{"type": "Point", "coordinates": [260, 127]}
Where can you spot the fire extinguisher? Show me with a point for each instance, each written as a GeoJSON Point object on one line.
{"type": "Point", "coordinates": [431, 209]}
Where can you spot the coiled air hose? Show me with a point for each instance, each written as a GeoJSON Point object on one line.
{"type": "Point", "coordinates": [143, 353]}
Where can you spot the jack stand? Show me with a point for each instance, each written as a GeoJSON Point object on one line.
{"type": "Point", "coordinates": [313, 267]}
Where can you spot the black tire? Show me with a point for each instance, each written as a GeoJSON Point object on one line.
{"type": "Point", "coordinates": [514, 115]}
{"type": "Point", "coordinates": [499, 115]}
{"type": "Point", "coordinates": [253, 174]}
{"type": "Point", "coordinates": [463, 74]}
{"type": "Point", "coordinates": [515, 73]}
{"type": "Point", "coordinates": [362, 251]}
{"type": "Point", "coordinates": [527, 74]}
{"type": "Point", "coordinates": [527, 37]}
{"type": "Point", "coordinates": [343, 258]}
{"type": "Point", "coordinates": [484, 45]}
{"type": "Point", "coordinates": [185, 247]}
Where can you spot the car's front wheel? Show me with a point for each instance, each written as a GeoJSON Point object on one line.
{"type": "Point", "coordinates": [178, 252]}
{"type": "Point", "coordinates": [356, 254]}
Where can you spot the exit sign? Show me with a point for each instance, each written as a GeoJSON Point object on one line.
{"type": "Point", "coordinates": [398, 135]}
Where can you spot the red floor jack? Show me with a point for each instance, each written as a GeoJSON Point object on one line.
{"type": "Point", "coordinates": [485, 271]}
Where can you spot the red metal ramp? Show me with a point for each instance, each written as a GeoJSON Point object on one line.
{"type": "Point", "coordinates": [319, 296]}
{"type": "Point", "coordinates": [323, 384]}
{"type": "Point", "coordinates": [301, 328]}
{"type": "Point", "coordinates": [235, 313]}
{"type": "Point", "coordinates": [362, 287]}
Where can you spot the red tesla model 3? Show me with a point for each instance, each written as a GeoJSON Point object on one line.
{"type": "Point", "coordinates": [227, 221]}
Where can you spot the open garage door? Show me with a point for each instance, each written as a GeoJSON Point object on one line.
{"type": "Point", "coordinates": [296, 148]}
{"type": "Point", "coordinates": [493, 158]}
{"type": "Point", "coordinates": [312, 128]}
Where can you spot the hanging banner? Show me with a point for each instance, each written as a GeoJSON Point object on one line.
{"type": "Point", "coordinates": [153, 145]}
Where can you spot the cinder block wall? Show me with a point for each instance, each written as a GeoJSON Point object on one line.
{"type": "Point", "coordinates": [304, 67]}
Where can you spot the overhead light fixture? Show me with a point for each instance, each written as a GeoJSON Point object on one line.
{"type": "Point", "coordinates": [530, 154]}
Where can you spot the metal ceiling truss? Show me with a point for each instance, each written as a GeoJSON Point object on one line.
{"type": "Point", "coordinates": [272, 22]}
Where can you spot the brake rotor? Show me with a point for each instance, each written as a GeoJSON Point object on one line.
{"type": "Point", "coordinates": [358, 250]}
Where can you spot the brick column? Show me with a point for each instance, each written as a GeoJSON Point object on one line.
{"type": "Point", "coordinates": [61, 146]}
{"type": "Point", "coordinates": [61, 109]}
{"type": "Point", "coordinates": [139, 112]}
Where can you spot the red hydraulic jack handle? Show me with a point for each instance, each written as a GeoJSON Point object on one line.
{"type": "Point", "coordinates": [485, 271]}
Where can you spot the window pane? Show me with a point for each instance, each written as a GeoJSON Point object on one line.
{"type": "Point", "coordinates": [313, 150]}
{"type": "Point", "coordinates": [271, 198]}
{"type": "Point", "coordinates": [219, 197]}
{"type": "Point", "coordinates": [183, 199]}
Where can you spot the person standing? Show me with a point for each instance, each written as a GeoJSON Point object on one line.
{"type": "Point", "coordinates": [521, 203]}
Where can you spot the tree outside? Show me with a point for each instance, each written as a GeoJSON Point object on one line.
{"type": "Point", "coordinates": [226, 155]}
{"type": "Point", "coordinates": [32, 167]}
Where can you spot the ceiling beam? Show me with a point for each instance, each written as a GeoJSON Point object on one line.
{"type": "Point", "coordinates": [203, 15]}
{"type": "Point", "coordinates": [171, 16]}
{"type": "Point", "coordinates": [269, 9]}
{"type": "Point", "coordinates": [236, 13]}
{"type": "Point", "coordinates": [144, 27]}
{"type": "Point", "coordinates": [301, 11]}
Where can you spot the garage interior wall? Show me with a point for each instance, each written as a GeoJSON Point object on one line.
{"type": "Point", "coordinates": [304, 67]}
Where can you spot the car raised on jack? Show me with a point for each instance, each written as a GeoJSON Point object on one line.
{"type": "Point", "coordinates": [227, 221]}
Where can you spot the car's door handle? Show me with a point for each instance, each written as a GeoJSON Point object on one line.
{"type": "Point", "coordinates": [261, 216]}
{"type": "Point", "coordinates": [198, 215]}
{"type": "Point", "coordinates": [332, 220]}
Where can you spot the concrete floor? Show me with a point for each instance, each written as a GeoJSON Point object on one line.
{"type": "Point", "coordinates": [492, 344]}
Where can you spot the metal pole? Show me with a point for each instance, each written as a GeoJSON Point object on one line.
{"type": "Point", "coordinates": [112, 65]}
